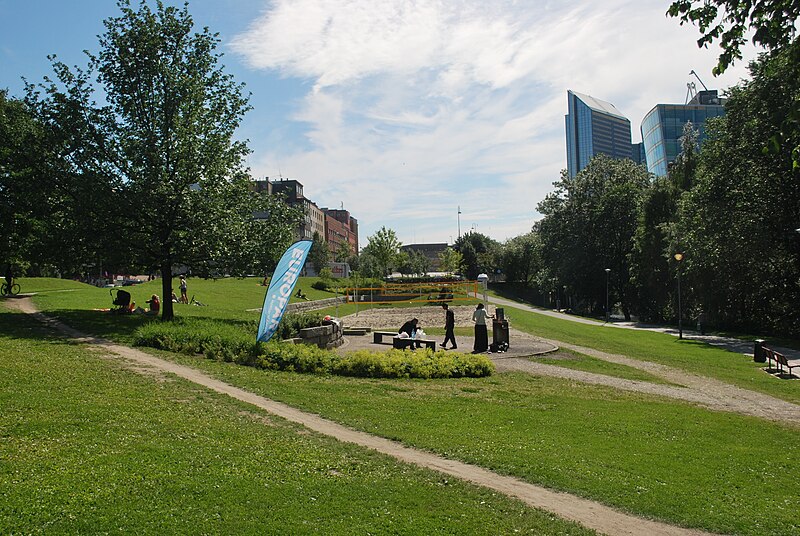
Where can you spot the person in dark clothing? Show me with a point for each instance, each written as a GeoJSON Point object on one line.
{"type": "Point", "coordinates": [449, 326]}
{"type": "Point", "coordinates": [410, 328]}
{"type": "Point", "coordinates": [481, 334]}
{"type": "Point", "coordinates": [9, 278]}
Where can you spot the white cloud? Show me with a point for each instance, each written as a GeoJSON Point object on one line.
{"type": "Point", "coordinates": [418, 107]}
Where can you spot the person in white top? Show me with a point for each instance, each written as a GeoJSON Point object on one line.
{"type": "Point", "coordinates": [481, 334]}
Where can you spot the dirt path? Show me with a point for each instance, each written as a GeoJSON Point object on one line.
{"type": "Point", "coordinates": [588, 513]}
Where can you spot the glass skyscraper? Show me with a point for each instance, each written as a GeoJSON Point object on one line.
{"type": "Point", "coordinates": [662, 128]}
{"type": "Point", "coordinates": [594, 126]}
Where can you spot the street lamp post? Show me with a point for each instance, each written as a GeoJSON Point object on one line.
{"type": "Point", "coordinates": [608, 271]}
{"type": "Point", "coordinates": [678, 258]}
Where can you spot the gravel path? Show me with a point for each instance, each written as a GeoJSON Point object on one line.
{"type": "Point", "coordinates": [588, 513]}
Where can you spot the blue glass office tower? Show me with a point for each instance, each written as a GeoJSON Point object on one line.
{"type": "Point", "coordinates": [594, 126]}
{"type": "Point", "coordinates": [662, 128]}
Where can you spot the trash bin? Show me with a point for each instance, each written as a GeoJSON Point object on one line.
{"type": "Point", "coordinates": [759, 356]}
{"type": "Point", "coordinates": [500, 331]}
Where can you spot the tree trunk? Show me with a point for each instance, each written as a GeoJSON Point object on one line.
{"type": "Point", "coordinates": [167, 312]}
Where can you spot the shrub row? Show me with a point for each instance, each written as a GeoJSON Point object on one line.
{"type": "Point", "coordinates": [225, 342]}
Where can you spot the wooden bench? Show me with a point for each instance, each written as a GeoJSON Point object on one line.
{"type": "Point", "coordinates": [377, 336]}
{"type": "Point", "coordinates": [400, 344]}
{"type": "Point", "coordinates": [780, 362]}
{"type": "Point", "coordinates": [783, 362]}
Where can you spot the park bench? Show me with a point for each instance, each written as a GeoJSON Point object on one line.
{"type": "Point", "coordinates": [401, 343]}
{"type": "Point", "coordinates": [780, 362]}
{"type": "Point", "coordinates": [783, 362]}
{"type": "Point", "coordinates": [377, 336]}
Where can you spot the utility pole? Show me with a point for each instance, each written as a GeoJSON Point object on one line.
{"type": "Point", "coordinates": [459, 222]}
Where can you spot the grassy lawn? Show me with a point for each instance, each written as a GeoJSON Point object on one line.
{"type": "Point", "coordinates": [651, 456]}
{"type": "Point", "coordinates": [90, 447]}
{"type": "Point", "coordinates": [647, 455]}
{"type": "Point", "coordinates": [693, 356]}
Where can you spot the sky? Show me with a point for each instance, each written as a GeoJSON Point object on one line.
{"type": "Point", "coordinates": [404, 111]}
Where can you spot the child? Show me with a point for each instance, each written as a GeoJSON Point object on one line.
{"type": "Point", "coordinates": [155, 305]}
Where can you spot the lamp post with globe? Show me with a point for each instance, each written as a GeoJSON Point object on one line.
{"type": "Point", "coordinates": [678, 258]}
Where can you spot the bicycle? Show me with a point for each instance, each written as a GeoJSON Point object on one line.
{"type": "Point", "coordinates": [6, 291]}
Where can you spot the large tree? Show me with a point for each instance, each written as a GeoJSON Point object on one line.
{"type": "Point", "coordinates": [382, 250]}
{"type": "Point", "coordinates": [522, 258]}
{"type": "Point", "coordinates": [737, 224]}
{"type": "Point", "coordinates": [480, 254]}
{"type": "Point", "coordinates": [20, 214]}
{"type": "Point", "coordinates": [588, 226]}
{"type": "Point", "coordinates": [162, 151]}
{"type": "Point", "coordinates": [654, 241]}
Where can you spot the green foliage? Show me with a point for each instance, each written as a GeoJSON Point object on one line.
{"type": "Point", "coordinates": [773, 25]}
{"type": "Point", "coordinates": [650, 269]}
{"type": "Point", "coordinates": [159, 164]}
{"type": "Point", "coordinates": [424, 364]}
{"type": "Point", "coordinates": [322, 284]}
{"type": "Point", "coordinates": [292, 323]}
{"type": "Point", "coordinates": [588, 226]}
{"type": "Point", "coordinates": [234, 343]}
{"type": "Point", "coordinates": [451, 261]}
{"type": "Point", "coordinates": [737, 224]}
{"type": "Point", "coordinates": [379, 257]}
{"type": "Point", "coordinates": [480, 254]}
{"type": "Point", "coordinates": [522, 258]}
{"type": "Point", "coordinates": [319, 255]}
{"type": "Point", "coordinates": [412, 262]}
{"type": "Point", "coordinates": [326, 274]}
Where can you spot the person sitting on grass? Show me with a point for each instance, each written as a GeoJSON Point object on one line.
{"type": "Point", "coordinates": [300, 294]}
{"type": "Point", "coordinates": [155, 305]}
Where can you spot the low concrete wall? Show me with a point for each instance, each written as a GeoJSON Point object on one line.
{"type": "Point", "coordinates": [301, 307]}
{"type": "Point", "coordinates": [326, 336]}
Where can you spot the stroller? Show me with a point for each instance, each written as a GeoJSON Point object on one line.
{"type": "Point", "coordinates": [122, 300]}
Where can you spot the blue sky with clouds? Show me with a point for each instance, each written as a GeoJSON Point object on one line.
{"type": "Point", "coordinates": [404, 110]}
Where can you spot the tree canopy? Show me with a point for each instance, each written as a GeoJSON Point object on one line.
{"type": "Point", "coordinates": [156, 168]}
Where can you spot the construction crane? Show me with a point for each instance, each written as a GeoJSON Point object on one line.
{"type": "Point", "coordinates": [698, 79]}
{"type": "Point", "coordinates": [691, 89]}
{"type": "Point", "coordinates": [691, 92]}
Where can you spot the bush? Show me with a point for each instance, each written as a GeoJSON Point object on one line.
{"type": "Point", "coordinates": [292, 323]}
{"type": "Point", "coordinates": [236, 343]}
{"type": "Point", "coordinates": [320, 285]}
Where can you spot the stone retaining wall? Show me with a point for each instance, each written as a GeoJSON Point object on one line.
{"type": "Point", "coordinates": [302, 307]}
{"type": "Point", "coordinates": [326, 336]}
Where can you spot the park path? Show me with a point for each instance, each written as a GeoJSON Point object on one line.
{"type": "Point", "coordinates": [701, 390]}
{"type": "Point", "coordinates": [728, 343]}
{"type": "Point", "coordinates": [588, 513]}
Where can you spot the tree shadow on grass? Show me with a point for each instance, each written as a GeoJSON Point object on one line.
{"type": "Point", "coordinates": [103, 324]}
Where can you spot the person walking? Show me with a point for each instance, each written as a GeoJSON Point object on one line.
{"type": "Point", "coordinates": [449, 326]}
{"type": "Point", "coordinates": [481, 334]}
{"type": "Point", "coordinates": [184, 295]}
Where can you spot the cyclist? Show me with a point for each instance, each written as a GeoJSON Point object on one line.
{"type": "Point", "coordinates": [9, 279]}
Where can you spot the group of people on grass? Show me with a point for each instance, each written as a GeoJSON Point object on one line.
{"type": "Point", "coordinates": [155, 302]}
{"type": "Point", "coordinates": [412, 330]}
